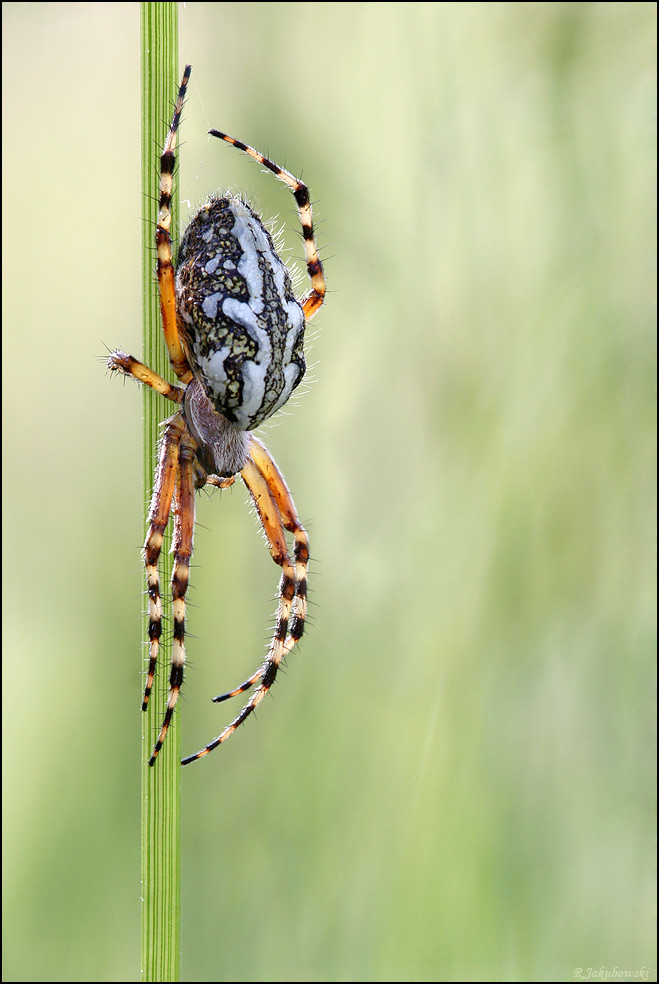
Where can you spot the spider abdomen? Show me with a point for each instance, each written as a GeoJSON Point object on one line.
{"type": "Point", "coordinates": [241, 325]}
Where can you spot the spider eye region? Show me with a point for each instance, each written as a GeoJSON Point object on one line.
{"type": "Point", "coordinates": [240, 322]}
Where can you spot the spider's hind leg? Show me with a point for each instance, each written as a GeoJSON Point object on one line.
{"type": "Point", "coordinates": [184, 516]}
{"type": "Point", "coordinates": [293, 610]}
{"type": "Point", "coordinates": [290, 520]}
{"type": "Point", "coordinates": [276, 511]}
{"type": "Point", "coordinates": [161, 504]}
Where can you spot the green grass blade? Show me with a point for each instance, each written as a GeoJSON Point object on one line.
{"type": "Point", "coordinates": [161, 792]}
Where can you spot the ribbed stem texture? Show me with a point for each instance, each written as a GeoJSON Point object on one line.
{"type": "Point", "coordinates": [161, 784]}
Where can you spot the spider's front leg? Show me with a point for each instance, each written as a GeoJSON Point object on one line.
{"type": "Point", "coordinates": [165, 266]}
{"type": "Point", "coordinates": [313, 300]}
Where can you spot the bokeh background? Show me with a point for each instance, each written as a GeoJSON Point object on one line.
{"type": "Point", "coordinates": [455, 778]}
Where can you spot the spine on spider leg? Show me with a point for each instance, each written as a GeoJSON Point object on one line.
{"type": "Point", "coordinates": [161, 809]}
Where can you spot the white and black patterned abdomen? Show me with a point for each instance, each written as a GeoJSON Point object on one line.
{"type": "Point", "coordinates": [240, 322]}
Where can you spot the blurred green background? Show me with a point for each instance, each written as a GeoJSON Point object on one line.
{"type": "Point", "coordinates": [455, 778]}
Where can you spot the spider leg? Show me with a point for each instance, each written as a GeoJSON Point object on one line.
{"type": "Point", "coordinates": [284, 501]}
{"type": "Point", "coordinates": [161, 504]}
{"type": "Point", "coordinates": [268, 489]}
{"type": "Point", "coordinates": [184, 514]}
{"type": "Point", "coordinates": [313, 300]}
{"type": "Point", "coordinates": [220, 483]}
{"type": "Point", "coordinates": [120, 362]}
{"type": "Point", "coordinates": [165, 268]}
{"type": "Point", "coordinates": [280, 494]}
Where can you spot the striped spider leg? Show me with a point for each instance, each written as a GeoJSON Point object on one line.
{"type": "Point", "coordinates": [234, 332]}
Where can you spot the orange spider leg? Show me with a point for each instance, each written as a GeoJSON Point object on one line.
{"type": "Point", "coordinates": [182, 548]}
{"type": "Point", "coordinates": [282, 497]}
{"type": "Point", "coordinates": [313, 300]}
{"type": "Point", "coordinates": [129, 366]}
{"type": "Point", "coordinates": [271, 521]}
{"type": "Point", "coordinates": [165, 269]}
{"type": "Point", "coordinates": [161, 504]}
{"type": "Point", "coordinates": [280, 493]}
{"type": "Point", "coordinates": [220, 483]}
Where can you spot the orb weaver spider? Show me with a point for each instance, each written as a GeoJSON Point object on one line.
{"type": "Point", "coordinates": [234, 332]}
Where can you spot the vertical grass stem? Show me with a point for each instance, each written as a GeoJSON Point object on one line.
{"type": "Point", "coordinates": [161, 792]}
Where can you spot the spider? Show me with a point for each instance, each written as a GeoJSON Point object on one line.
{"type": "Point", "coordinates": [234, 332]}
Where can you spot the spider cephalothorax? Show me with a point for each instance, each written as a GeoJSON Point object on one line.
{"type": "Point", "coordinates": [234, 332]}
